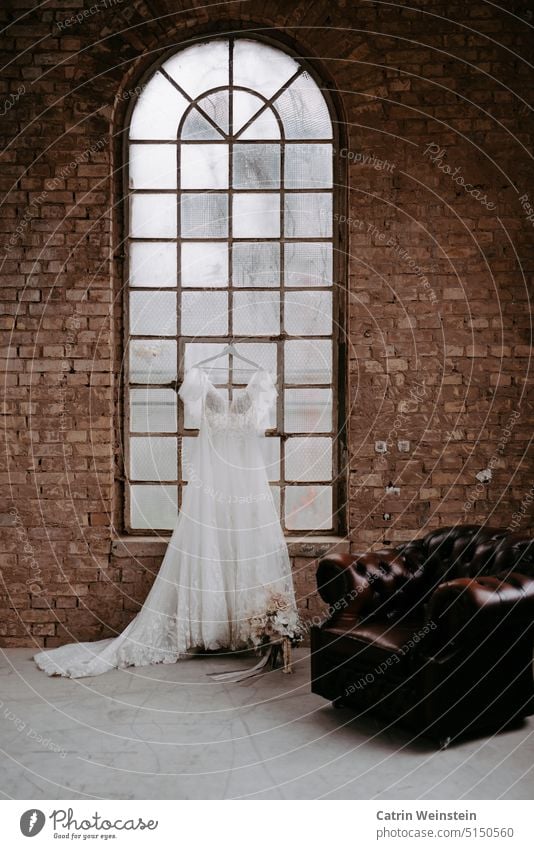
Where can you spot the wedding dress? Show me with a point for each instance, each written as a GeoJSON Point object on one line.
{"type": "Point", "coordinates": [227, 556]}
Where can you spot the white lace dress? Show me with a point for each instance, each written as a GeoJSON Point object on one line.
{"type": "Point", "coordinates": [227, 554]}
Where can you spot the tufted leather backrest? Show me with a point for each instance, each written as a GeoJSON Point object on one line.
{"type": "Point", "coordinates": [396, 582]}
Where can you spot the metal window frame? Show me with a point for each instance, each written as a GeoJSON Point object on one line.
{"type": "Point", "coordinates": [338, 239]}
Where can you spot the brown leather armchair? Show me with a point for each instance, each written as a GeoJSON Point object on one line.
{"type": "Point", "coordinates": [436, 634]}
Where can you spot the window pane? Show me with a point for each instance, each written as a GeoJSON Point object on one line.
{"type": "Point", "coordinates": [153, 458]}
{"type": "Point", "coordinates": [200, 67]}
{"type": "Point", "coordinates": [265, 126]}
{"type": "Point", "coordinates": [271, 454]}
{"type": "Point", "coordinates": [308, 214]}
{"type": "Point", "coordinates": [308, 458]}
{"type": "Point", "coordinates": [153, 216]}
{"type": "Point", "coordinates": [256, 264]}
{"type": "Point", "coordinates": [152, 313]}
{"type": "Point", "coordinates": [256, 166]}
{"type": "Point", "coordinates": [204, 264]}
{"type": "Point", "coordinates": [189, 445]}
{"type": "Point", "coordinates": [153, 166]}
{"type": "Point", "coordinates": [262, 353]}
{"type": "Point", "coordinates": [158, 110]}
{"type": "Point", "coordinates": [204, 166]}
{"type": "Point", "coordinates": [216, 106]}
{"type": "Point", "coordinates": [308, 264]}
{"type": "Point", "coordinates": [153, 264]}
{"type": "Point", "coordinates": [256, 313]}
{"type": "Point", "coordinates": [152, 361]}
{"type": "Point", "coordinates": [308, 410]}
{"type": "Point", "coordinates": [308, 166]}
{"type": "Point", "coordinates": [308, 507]}
{"type": "Point", "coordinates": [197, 128]}
{"type": "Point", "coordinates": [204, 215]}
{"type": "Point", "coordinates": [261, 67]}
{"type": "Point", "coordinates": [204, 313]}
{"type": "Point", "coordinates": [303, 110]}
{"type": "Point", "coordinates": [154, 507]}
{"type": "Point", "coordinates": [153, 410]}
{"type": "Point", "coordinates": [245, 106]}
{"type": "Point", "coordinates": [308, 313]}
{"type": "Point", "coordinates": [217, 370]}
{"type": "Point", "coordinates": [308, 361]}
{"type": "Point", "coordinates": [256, 215]}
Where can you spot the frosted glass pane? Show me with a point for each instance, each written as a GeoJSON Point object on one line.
{"type": "Point", "coordinates": [308, 214]}
{"type": "Point", "coordinates": [217, 371]}
{"type": "Point", "coordinates": [153, 166]}
{"type": "Point", "coordinates": [153, 458]}
{"type": "Point", "coordinates": [308, 507]}
{"type": "Point", "coordinates": [189, 445]}
{"type": "Point", "coordinates": [262, 353]}
{"type": "Point", "coordinates": [152, 264]}
{"type": "Point", "coordinates": [256, 166]}
{"type": "Point", "coordinates": [261, 67]}
{"type": "Point", "coordinates": [204, 215]}
{"type": "Point", "coordinates": [303, 110]}
{"type": "Point", "coordinates": [153, 410]}
{"type": "Point", "coordinates": [152, 361]}
{"type": "Point", "coordinates": [216, 106]}
{"type": "Point", "coordinates": [256, 313]}
{"type": "Point", "coordinates": [271, 455]}
{"type": "Point", "coordinates": [204, 313]}
{"type": "Point", "coordinates": [308, 458]}
{"type": "Point", "coordinates": [153, 216]}
{"type": "Point", "coordinates": [245, 106]}
{"type": "Point", "coordinates": [308, 361]}
{"type": "Point", "coordinates": [158, 110]}
{"type": "Point", "coordinates": [197, 128]}
{"type": "Point", "coordinates": [204, 166]}
{"type": "Point", "coordinates": [308, 166]}
{"type": "Point", "coordinates": [308, 313]}
{"type": "Point", "coordinates": [256, 215]}
{"type": "Point", "coordinates": [204, 264]}
{"type": "Point", "coordinates": [308, 410]}
{"type": "Point", "coordinates": [308, 264]}
{"type": "Point", "coordinates": [265, 126]}
{"type": "Point", "coordinates": [256, 264]}
{"type": "Point", "coordinates": [200, 67]}
{"type": "Point", "coordinates": [152, 313]}
{"type": "Point", "coordinates": [153, 507]}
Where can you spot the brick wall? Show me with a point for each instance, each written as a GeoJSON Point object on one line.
{"type": "Point", "coordinates": [437, 307]}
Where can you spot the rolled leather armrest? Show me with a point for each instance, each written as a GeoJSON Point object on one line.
{"type": "Point", "coordinates": [369, 583]}
{"type": "Point", "coordinates": [466, 605]}
{"type": "Point", "coordinates": [344, 590]}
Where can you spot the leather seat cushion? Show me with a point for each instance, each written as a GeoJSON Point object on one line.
{"type": "Point", "coordinates": [373, 642]}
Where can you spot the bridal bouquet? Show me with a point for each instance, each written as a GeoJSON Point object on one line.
{"type": "Point", "coordinates": [278, 620]}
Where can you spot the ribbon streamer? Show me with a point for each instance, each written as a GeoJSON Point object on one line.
{"type": "Point", "coordinates": [240, 675]}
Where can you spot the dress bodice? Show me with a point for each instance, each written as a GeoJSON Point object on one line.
{"type": "Point", "coordinates": [238, 414]}
{"type": "Point", "coordinates": [247, 412]}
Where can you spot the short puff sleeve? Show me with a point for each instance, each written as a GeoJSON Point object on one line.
{"type": "Point", "coordinates": [263, 392]}
{"type": "Point", "coordinates": [192, 392]}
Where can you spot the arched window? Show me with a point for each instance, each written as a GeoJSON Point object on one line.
{"type": "Point", "coordinates": [230, 210]}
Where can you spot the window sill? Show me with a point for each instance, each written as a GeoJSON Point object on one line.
{"type": "Point", "coordinates": [149, 546]}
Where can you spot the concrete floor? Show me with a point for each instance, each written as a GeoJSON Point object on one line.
{"type": "Point", "coordinates": [169, 732]}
